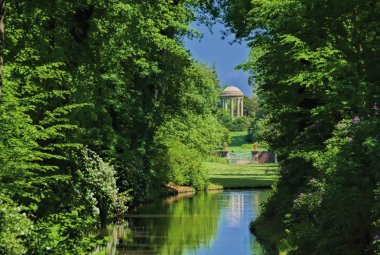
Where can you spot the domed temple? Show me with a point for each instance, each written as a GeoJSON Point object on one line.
{"type": "Point", "coordinates": [232, 98]}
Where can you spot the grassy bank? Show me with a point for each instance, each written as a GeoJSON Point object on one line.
{"type": "Point", "coordinates": [241, 176]}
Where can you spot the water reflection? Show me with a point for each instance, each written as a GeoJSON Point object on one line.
{"type": "Point", "coordinates": [206, 223]}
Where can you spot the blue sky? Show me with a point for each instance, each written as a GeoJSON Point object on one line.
{"type": "Point", "coordinates": [212, 50]}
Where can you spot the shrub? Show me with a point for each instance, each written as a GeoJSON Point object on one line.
{"type": "Point", "coordinates": [95, 183]}
{"type": "Point", "coordinates": [14, 227]}
{"type": "Point", "coordinates": [65, 233]}
{"type": "Point", "coordinates": [181, 165]}
{"type": "Point", "coordinates": [235, 124]}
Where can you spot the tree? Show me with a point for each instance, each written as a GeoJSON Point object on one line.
{"type": "Point", "coordinates": [2, 32]}
{"type": "Point", "coordinates": [188, 137]}
{"type": "Point", "coordinates": [314, 63]}
{"type": "Point", "coordinates": [87, 86]}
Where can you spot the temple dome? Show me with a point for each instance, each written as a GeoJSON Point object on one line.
{"type": "Point", "coordinates": [232, 92]}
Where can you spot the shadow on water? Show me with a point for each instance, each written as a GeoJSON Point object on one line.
{"type": "Point", "coordinates": [205, 223]}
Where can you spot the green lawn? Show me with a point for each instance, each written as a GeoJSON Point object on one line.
{"type": "Point", "coordinates": [241, 176]}
{"type": "Point", "coordinates": [238, 142]}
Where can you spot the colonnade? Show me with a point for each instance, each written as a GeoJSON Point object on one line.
{"type": "Point", "coordinates": [236, 105]}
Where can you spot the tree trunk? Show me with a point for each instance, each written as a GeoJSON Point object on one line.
{"type": "Point", "coordinates": [2, 28]}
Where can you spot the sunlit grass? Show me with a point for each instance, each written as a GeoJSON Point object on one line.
{"type": "Point", "coordinates": [239, 144]}
{"type": "Point", "coordinates": [241, 176]}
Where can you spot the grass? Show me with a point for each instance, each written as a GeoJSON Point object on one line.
{"type": "Point", "coordinates": [223, 176]}
{"type": "Point", "coordinates": [239, 144]}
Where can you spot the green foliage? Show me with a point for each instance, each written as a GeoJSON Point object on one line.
{"type": "Point", "coordinates": [203, 133]}
{"type": "Point", "coordinates": [92, 91]}
{"type": "Point", "coordinates": [201, 94]}
{"type": "Point", "coordinates": [182, 144]}
{"type": "Point", "coordinates": [252, 107]}
{"type": "Point", "coordinates": [95, 183]}
{"type": "Point", "coordinates": [64, 233]}
{"type": "Point", "coordinates": [183, 140]}
{"type": "Point", "coordinates": [242, 142]}
{"type": "Point", "coordinates": [15, 226]}
{"type": "Point", "coordinates": [18, 135]}
{"type": "Point", "coordinates": [181, 165]}
{"type": "Point", "coordinates": [259, 130]}
{"type": "Point", "coordinates": [233, 124]}
{"type": "Point", "coordinates": [315, 69]}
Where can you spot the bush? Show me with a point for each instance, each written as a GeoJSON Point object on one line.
{"type": "Point", "coordinates": [346, 190]}
{"type": "Point", "coordinates": [95, 184]}
{"type": "Point", "coordinates": [235, 124]}
{"type": "Point", "coordinates": [14, 228]}
{"type": "Point", "coordinates": [181, 165]}
{"type": "Point", "coordinates": [65, 233]}
{"type": "Point", "coordinates": [239, 124]}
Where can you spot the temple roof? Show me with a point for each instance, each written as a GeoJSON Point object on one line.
{"type": "Point", "coordinates": [232, 92]}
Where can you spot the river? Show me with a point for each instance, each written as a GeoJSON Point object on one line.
{"type": "Point", "coordinates": [205, 223]}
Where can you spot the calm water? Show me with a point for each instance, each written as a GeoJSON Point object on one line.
{"type": "Point", "coordinates": [207, 223]}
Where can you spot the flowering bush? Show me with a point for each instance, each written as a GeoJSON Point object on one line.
{"type": "Point", "coordinates": [14, 228]}
{"type": "Point", "coordinates": [347, 190]}
{"type": "Point", "coordinates": [97, 184]}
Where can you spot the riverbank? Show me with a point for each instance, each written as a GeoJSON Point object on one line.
{"type": "Point", "coordinates": [229, 176]}
{"type": "Point", "coordinates": [269, 233]}
{"type": "Point", "coordinates": [177, 189]}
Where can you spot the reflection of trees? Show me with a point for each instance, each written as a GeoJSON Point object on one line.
{"type": "Point", "coordinates": [169, 228]}
{"type": "Point", "coordinates": [256, 248]}
{"type": "Point", "coordinates": [180, 224]}
{"type": "Point", "coordinates": [259, 198]}
{"type": "Point", "coordinates": [194, 223]}
{"type": "Point", "coordinates": [115, 232]}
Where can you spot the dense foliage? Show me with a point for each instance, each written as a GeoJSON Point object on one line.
{"type": "Point", "coordinates": [100, 102]}
{"type": "Point", "coordinates": [316, 69]}
{"type": "Point", "coordinates": [95, 94]}
{"type": "Point", "coordinates": [233, 124]}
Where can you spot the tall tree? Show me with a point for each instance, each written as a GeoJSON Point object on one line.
{"type": "Point", "coordinates": [2, 32]}
{"type": "Point", "coordinates": [88, 85]}
{"type": "Point", "coordinates": [315, 67]}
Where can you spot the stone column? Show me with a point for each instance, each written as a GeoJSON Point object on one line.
{"type": "Point", "coordinates": [238, 106]}
{"type": "Point", "coordinates": [232, 107]}
{"type": "Point", "coordinates": [242, 107]}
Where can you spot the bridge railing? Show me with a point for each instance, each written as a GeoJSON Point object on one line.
{"type": "Point", "coordinates": [252, 157]}
{"type": "Point", "coordinates": [239, 158]}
